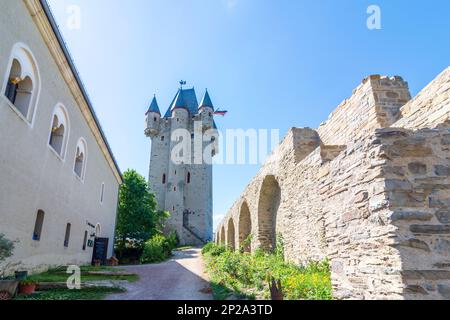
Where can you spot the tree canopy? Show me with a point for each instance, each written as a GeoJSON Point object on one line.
{"type": "Point", "coordinates": [138, 215]}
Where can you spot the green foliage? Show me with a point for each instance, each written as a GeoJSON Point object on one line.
{"type": "Point", "coordinates": [213, 249]}
{"type": "Point", "coordinates": [159, 248]}
{"type": "Point", "coordinates": [246, 244]}
{"type": "Point", "coordinates": [59, 274]}
{"type": "Point", "coordinates": [138, 217]}
{"type": "Point", "coordinates": [95, 293]}
{"type": "Point", "coordinates": [6, 248]}
{"type": "Point", "coordinates": [28, 282]}
{"type": "Point", "coordinates": [247, 275]}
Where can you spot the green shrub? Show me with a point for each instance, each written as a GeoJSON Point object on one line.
{"type": "Point", "coordinates": [6, 247]}
{"type": "Point", "coordinates": [245, 274]}
{"type": "Point", "coordinates": [208, 247]}
{"type": "Point", "coordinates": [159, 248]}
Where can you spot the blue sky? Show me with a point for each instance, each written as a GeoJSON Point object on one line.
{"type": "Point", "coordinates": [271, 64]}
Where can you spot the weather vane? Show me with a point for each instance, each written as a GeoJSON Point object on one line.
{"type": "Point", "coordinates": [182, 83]}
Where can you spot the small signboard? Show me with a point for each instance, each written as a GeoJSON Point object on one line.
{"type": "Point", "coordinates": [100, 250]}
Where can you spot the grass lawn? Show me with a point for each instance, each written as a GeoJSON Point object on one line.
{"type": "Point", "coordinates": [66, 294]}
{"type": "Point", "coordinates": [59, 275]}
{"type": "Point", "coordinates": [93, 293]}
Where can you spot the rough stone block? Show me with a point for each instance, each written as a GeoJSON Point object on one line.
{"type": "Point", "coordinates": [417, 168]}
{"type": "Point", "coordinates": [430, 229]}
{"type": "Point", "coordinates": [444, 290]}
{"type": "Point", "coordinates": [443, 216]}
{"type": "Point", "coordinates": [411, 216]}
{"type": "Point", "coordinates": [416, 244]}
{"type": "Point", "coordinates": [442, 170]}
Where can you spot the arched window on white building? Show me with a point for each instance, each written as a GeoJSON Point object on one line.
{"type": "Point", "coordinates": [98, 230]}
{"type": "Point", "coordinates": [22, 83]}
{"type": "Point", "coordinates": [80, 159]}
{"type": "Point", "coordinates": [59, 131]}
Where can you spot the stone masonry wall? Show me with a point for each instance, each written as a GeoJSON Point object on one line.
{"type": "Point", "coordinates": [372, 198]}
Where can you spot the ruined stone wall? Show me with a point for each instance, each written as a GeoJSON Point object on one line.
{"type": "Point", "coordinates": [374, 104]}
{"type": "Point", "coordinates": [430, 107]}
{"type": "Point", "coordinates": [372, 198]}
{"type": "Point", "coordinates": [416, 172]}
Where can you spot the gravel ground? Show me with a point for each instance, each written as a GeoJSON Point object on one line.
{"type": "Point", "coordinates": [181, 278]}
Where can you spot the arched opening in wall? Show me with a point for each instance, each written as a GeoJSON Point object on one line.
{"type": "Point", "coordinates": [245, 228]}
{"type": "Point", "coordinates": [22, 82]}
{"type": "Point", "coordinates": [188, 178]}
{"type": "Point", "coordinates": [268, 205]}
{"type": "Point", "coordinates": [38, 225]}
{"type": "Point", "coordinates": [222, 236]}
{"type": "Point", "coordinates": [98, 230]}
{"type": "Point", "coordinates": [59, 131]}
{"type": "Point", "coordinates": [164, 178]}
{"type": "Point", "coordinates": [80, 159]}
{"type": "Point", "coordinates": [231, 234]}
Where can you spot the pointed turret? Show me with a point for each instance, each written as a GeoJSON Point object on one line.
{"type": "Point", "coordinates": [206, 110]}
{"type": "Point", "coordinates": [154, 106]}
{"type": "Point", "coordinates": [179, 101]}
{"type": "Point", "coordinates": [206, 101]}
{"type": "Point", "coordinates": [153, 116]}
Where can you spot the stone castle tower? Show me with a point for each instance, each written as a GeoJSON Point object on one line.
{"type": "Point", "coordinates": [184, 188]}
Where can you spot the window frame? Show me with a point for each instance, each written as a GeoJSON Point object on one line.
{"type": "Point", "coordinates": [21, 52]}
{"type": "Point", "coordinates": [102, 193]}
{"type": "Point", "coordinates": [60, 108]}
{"type": "Point", "coordinates": [67, 235]}
{"type": "Point", "coordinates": [38, 226]}
{"type": "Point", "coordinates": [81, 142]}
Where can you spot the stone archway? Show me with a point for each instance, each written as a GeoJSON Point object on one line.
{"type": "Point", "coordinates": [231, 234]}
{"type": "Point", "coordinates": [245, 226]}
{"type": "Point", "coordinates": [269, 203]}
{"type": "Point", "coordinates": [222, 236]}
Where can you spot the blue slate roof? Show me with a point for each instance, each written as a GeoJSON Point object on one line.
{"type": "Point", "coordinates": [185, 98]}
{"type": "Point", "coordinates": [154, 106]}
{"type": "Point", "coordinates": [206, 102]}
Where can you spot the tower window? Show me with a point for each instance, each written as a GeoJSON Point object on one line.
{"type": "Point", "coordinates": [188, 177]}
{"type": "Point", "coordinates": [154, 119]}
{"type": "Point", "coordinates": [85, 240]}
{"type": "Point", "coordinates": [174, 188]}
{"type": "Point", "coordinates": [175, 172]}
{"type": "Point", "coordinates": [38, 225]}
{"type": "Point", "coordinates": [162, 138]}
{"type": "Point", "coordinates": [164, 178]}
{"type": "Point", "coordinates": [67, 236]}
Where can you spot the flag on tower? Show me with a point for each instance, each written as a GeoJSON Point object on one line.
{"type": "Point", "coordinates": [221, 113]}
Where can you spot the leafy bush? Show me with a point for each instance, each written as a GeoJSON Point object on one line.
{"type": "Point", "coordinates": [159, 248]}
{"type": "Point", "coordinates": [208, 247]}
{"type": "Point", "coordinates": [6, 248]}
{"type": "Point", "coordinates": [213, 249]}
{"type": "Point", "coordinates": [247, 274]}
